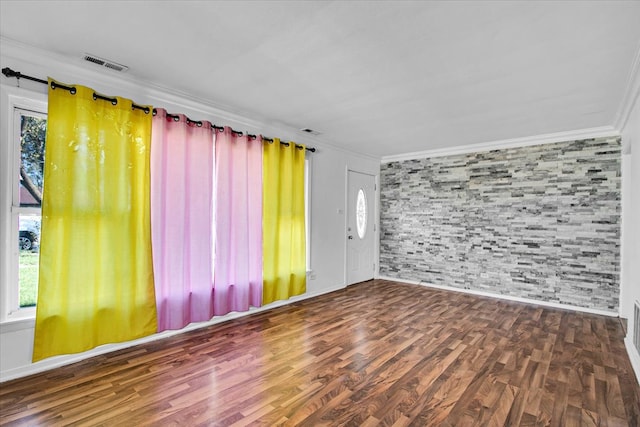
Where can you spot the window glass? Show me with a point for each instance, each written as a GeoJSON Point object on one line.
{"type": "Point", "coordinates": [29, 245]}
{"type": "Point", "coordinates": [29, 179]}
{"type": "Point", "coordinates": [32, 145]}
{"type": "Point", "coordinates": [361, 214]}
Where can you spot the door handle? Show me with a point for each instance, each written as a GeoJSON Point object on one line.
{"type": "Point", "coordinates": [350, 237]}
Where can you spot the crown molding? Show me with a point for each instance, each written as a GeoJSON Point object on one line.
{"type": "Point", "coordinates": [18, 55]}
{"type": "Point", "coordinates": [631, 93]}
{"type": "Point", "coordinates": [548, 138]}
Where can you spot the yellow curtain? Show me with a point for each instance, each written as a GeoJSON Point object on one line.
{"type": "Point", "coordinates": [283, 227]}
{"type": "Point", "coordinates": [96, 277]}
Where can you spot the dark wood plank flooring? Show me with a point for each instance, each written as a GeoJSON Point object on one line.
{"type": "Point", "coordinates": [377, 353]}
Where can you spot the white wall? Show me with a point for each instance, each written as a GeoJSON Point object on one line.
{"type": "Point", "coordinates": [630, 286]}
{"type": "Point", "coordinates": [328, 186]}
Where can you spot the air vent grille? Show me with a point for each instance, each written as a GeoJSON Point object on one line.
{"type": "Point", "coordinates": [114, 66]}
{"type": "Point", "coordinates": [105, 63]}
{"type": "Point", "coordinates": [94, 60]}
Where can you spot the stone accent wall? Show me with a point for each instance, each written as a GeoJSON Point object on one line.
{"type": "Point", "coordinates": [539, 222]}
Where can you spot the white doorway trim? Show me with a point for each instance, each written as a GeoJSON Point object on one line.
{"type": "Point", "coordinates": [375, 203]}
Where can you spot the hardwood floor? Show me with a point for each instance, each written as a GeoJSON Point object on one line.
{"type": "Point", "coordinates": [377, 353]}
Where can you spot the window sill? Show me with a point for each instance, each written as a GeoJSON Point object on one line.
{"type": "Point", "coordinates": [15, 325]}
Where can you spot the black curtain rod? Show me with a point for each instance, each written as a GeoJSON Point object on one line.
{"type": "Point", "coordinates": [8, 72]}
{"type": "Point", "coordinates": [18, 75]}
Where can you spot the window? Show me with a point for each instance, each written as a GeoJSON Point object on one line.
{"type": "Point", "coordinates": [22, 159]}
{"type": "Point", "coordinates": [30, 149]}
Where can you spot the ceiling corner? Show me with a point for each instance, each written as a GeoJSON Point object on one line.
{"type": "Point", "coordinates": [631, 93]}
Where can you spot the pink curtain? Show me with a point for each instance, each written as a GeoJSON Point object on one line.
{"type": "Point", "coordinates": [238, 243]}
{"type": "Point", "coordinates": [182, 186]}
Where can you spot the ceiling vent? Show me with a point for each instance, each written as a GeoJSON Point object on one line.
{"type": "Point", "coordinates": [310, 131]}
{"type": "Point", "coordinates": [105, 63]}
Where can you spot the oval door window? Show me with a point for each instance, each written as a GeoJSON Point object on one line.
{"type": "Point", "coordinates": [361, 213]}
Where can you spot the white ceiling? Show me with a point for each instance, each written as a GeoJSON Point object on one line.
{"type": "Point", "coordinates": [375, 77]}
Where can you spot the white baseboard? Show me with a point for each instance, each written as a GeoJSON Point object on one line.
{"type": "Point", "coordinates": [58, 361]}
{"type": "Point", "coordinates": [634, 357]}
{"type": "Point", "coordinates": [506, 297]}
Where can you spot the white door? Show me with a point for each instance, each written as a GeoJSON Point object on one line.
{"type": "Point", "coordinates": [360, 227]}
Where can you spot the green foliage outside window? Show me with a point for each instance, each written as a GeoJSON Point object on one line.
{"type": "Point", "coordinates": [32, 147]}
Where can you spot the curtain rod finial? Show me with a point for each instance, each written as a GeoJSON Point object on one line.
{"type": "Point", "coordinates": [8, 72]}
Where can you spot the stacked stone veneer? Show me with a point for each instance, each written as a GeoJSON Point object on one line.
{"type": "Point", "coordinates": [539, 222]}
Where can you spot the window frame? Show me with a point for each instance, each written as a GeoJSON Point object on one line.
{"type": "Point", "coordinates": [14, 101]}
